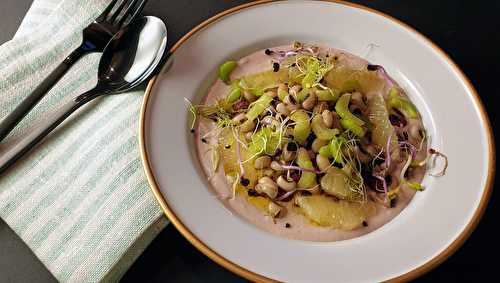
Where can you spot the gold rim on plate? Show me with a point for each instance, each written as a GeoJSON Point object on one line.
{"type": "Point", "coordinates": [259, 278]}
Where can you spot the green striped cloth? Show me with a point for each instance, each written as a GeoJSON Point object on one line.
{"type": "Point", "coordinates": [80, 200]}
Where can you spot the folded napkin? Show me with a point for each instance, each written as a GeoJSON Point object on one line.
{"type": "Point", "coordinates": [80, 200]}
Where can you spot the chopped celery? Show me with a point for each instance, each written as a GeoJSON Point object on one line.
{"type": "Point", "coordinates": [302, 127]}
{"type": "Point", "coordinates": [335, 149]}
{"type": "Point", "coordinates": [264, 141]}
{"type": "Point", "coordinates": [311, 74]}
{"type": "Point", "coordinates": [325, 151]}
{"type": "Point", "coordinates": [282, 94]}
{"type": "Point", "coordinates": [307, 179]}
{"type": "Point", "coordinates": [258, 107]}
{"type": "Point", "coordinates": [302, 95]}
{"type": "Point", "coordinates": [342, 108]}
{"type": "Point", "coordinates": [402, 104]}
{"type": "Point", "coordinates": [327, 95]}
{"type": "Point", "coordinates": [321, 131]}
{"type": "Point", "coordinates": [226, 69]}
{"type": "Point", "coordinates": [234, 93]}
{"type": "Point", "coordinates": [353, 127]}
{"type": "Point", "coordinates": [415, 186]}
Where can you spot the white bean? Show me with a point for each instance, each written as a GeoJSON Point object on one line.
{"type": "Point", "coordinates": [276, 166]}
{"type": "Point", "coordinates": [327, 118]}
{"type": "Point", "coordinates": [285, 185]}
{"type": "Point", "coordinates": [281, 108]}
{"type": "Point", "coordinates": [248, 96]}
{"type": "Point", "coordinates": [310, 101]}
{"type": "Point", "coordinates": [247, 126]}
{"type": "Point", "coordinates": [317, 144]}
{"type": "Point", "coordinates": [262, 162]}
{"type": "Point", "coordinates": [322, 162]}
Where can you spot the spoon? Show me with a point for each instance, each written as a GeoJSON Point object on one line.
{"type": "Point", "coordinates": [130, 58]}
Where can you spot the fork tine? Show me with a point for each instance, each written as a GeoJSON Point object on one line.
{"type": "Point", "coordinates": [125, 20]}
{"type": "Point", "coordinates": [118, 10]}
{"type": "Point", "coordinates": [106, 11]}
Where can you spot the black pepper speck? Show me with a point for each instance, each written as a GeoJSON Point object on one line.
{"type": "Point", "coordinates": [268, 52]}
{"type": "Point", "coordinates": [287, 225]}
{"type": "Point", "coordinates": [192, 131]}
{"type": "Point", "coordinates": [365, 223]}
{"type": "Point", "coordinates": [203, 140]}
{"type": "Point", "coordinates": [245, 182]}
{"type": "Point", "coordinates": [276, 67]}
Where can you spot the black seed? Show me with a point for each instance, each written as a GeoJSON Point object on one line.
{"type": "Point", "coordinates": [227, 146]}
{"type": "Point", "coordinates": [268, 52]}
{"type": "Point", "coordinates": [293, 65]}
{"type": "Point", "coordinates": [192, 130]}
{"type": "Point", "coordinates": [245, 182]}
{"type": "Point", "coordinates": [276, 67]}
{"type": "Point", "coordinates": [295, 175]}
{"type": "Point", "coordinates": [392, 203]}
{"type": "Point", "coordinates": [252, 193]}
{"type": "Point", "coordinates": [278, 152]}
{"type": "Point", "coordinates": [357, 111]}
{"type": "Point", "coordinates": [371, 67]}
{"type": "Point", "coordinates": [203, 140]}
{"type": "Point", "coordinates": [388, 180]}
{"type": "Point", "coordinates": [335, 58]}
{"type": "Point", "coordinates": [365, 223]}
{"type": "Point", "coordinates": [291, 146]}
{"type": "Point", "coordinates": [287, 225]}
{"type": "Point", "coordinates": [310, 139]}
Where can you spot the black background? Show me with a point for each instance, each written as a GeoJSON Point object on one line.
{"type": "Point", "coordinates": [469, 31]}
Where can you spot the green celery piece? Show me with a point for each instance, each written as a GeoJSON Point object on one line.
{"type": "Point", "coordinates": [402, 104]}
{"type": "Point", "coordinates": [335, 147]}
{"type": "Point", "coordinates": [342, 108]}
{"type": "Point", "coordinates": [302, 95]}
{"type": "Point", "coordinates": [302, 127]}
{"type": "Point", "coordinates": [258, 107]}
{"type": "Point", "coordinates": [307, 179]}
{"type": "Point", "coordinates": [351, 125]}
{"type": "Point", "coordinates": [234, 93]}
{"type": "Point", "coordinates": [226, 69]}
{"type": "Point", "coordinates": [282, 94]}
{"type": "Point", "coordinates": [311, 74]}
{"type": "Point", "coordinates": [327, 95]}
{"type": "Point", "coordinates": [415, 186]}
{"type": "Point", "coordinates": [264, 137]}
{"type": "Point", "coordinates": [325, 151]}
{"type": "Point", "coordinates": [321, 131]}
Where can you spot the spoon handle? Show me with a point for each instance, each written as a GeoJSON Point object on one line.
{"type": "Point", "coordinates": [11, 120]}
{"type": "Point", "coordinates": [14, 153]}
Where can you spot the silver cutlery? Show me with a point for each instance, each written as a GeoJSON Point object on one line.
{"type": "Point", "coordinates": [96, 36]}
{"type": "Point", "coordinates": [131, 57]}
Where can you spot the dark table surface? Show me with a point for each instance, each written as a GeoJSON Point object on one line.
{"type": "Point", "coordinates": [469, 31]}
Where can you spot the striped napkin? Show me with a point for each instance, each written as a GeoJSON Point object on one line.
{"type": "Point", "coordinates": [80, 200]}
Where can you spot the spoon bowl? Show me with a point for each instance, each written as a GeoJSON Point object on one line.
{"type": "Point", "coordinates": [130, 58]}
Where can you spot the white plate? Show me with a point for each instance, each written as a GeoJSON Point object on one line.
{"type": "Point", "coordinates": [435, 223]}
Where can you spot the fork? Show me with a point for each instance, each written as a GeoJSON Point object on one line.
{"type": "Point", "coordinates": [96, 36]}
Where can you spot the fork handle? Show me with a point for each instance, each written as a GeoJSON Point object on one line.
{"type": "Point", "coordinates": [11, 120]}
{"type": "Point", "coordinates": [13, 154]}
